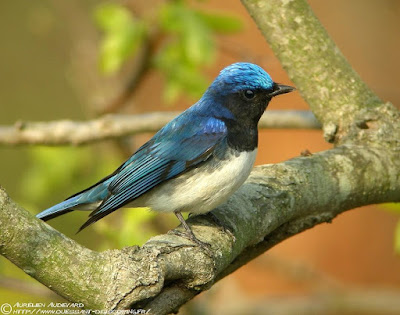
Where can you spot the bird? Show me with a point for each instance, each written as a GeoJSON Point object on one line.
{"type": "Point", "coordinates": [196, 161]}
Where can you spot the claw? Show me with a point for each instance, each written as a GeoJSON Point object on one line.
{"type": "Point", "coordinates": [189, 234]}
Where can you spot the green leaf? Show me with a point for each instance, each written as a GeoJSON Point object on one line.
{"type": "Point", "coordinates": [122, 36]}
{"type": "Point", "coordinates": [220, 22]}
{"type": "Point", "coordinates": [171, 16]}
{"type": "Point", "coordinates": [180, 74]}
{"type": "Point", "coordinates": [191, 32]}
{"type": "Point", "coordinates": [199, 46]}
{"type": "Point", "coordinates": [112, 17]}
{"type": "Point", "coordinates": [190, 46]}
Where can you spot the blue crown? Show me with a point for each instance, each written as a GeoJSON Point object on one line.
{"type": "Point", "coordinates": [242, 76]}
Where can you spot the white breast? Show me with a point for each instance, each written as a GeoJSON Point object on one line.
{"type": "Point", "coordinates": [202, 189]}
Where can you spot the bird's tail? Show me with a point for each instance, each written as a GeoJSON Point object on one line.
{"type": "Point", "coordinates": [59, 209]}
{"type": "Point", "coordinates": [71, 204]}
{"type": "Point", "coordinates": [88, 199]}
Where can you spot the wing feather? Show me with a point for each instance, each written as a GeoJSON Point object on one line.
{"type": "Point", "coordinates": [176, 148]}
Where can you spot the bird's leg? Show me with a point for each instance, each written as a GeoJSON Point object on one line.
{"type": "Point", "coordinates": [189, 231]}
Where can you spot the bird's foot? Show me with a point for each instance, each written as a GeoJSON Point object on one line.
{"type": "Point", "coordinates": [193, 238]}
{"type": "Point", "coordinates": [190, 235]}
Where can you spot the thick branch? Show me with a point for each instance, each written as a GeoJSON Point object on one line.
{"type": "Point", "coordinates": [276, 202]}
{"type": "Point", "coordinates": [325, 79]}
{"type": "Point", "coordinates": [113, 126]}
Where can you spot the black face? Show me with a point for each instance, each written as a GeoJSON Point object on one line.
{"type": "Point", "coordinates": [247, 106]}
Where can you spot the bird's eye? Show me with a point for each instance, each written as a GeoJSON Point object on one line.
{"type": "Point", "coordinates": [249, 94]}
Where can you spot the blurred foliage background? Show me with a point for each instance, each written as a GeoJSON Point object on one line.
{"type": "Point", "coordinates": [80, 59]}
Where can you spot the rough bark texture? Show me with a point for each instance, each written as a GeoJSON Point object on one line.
{"type": "Point", "coordinates": [325, 79]}
{"type": "Point", "coordinates": [276, 202]}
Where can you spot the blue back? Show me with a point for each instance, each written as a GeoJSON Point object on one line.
{"type": "Point", "coordinates": [184, 143]}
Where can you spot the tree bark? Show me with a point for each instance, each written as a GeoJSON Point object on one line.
{"type": "Point", "coordinates": [65, 132]}
{"type": "Point", "coordinates": [276, 202]}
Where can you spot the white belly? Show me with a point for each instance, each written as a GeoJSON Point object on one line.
{"type": "Point", "coordinates": [202, 189]}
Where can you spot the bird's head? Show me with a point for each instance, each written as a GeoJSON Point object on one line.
{"type": "Point", "coordinates": [245, 89]}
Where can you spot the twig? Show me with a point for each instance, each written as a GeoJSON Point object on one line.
{"type": "Point", "coordinates": [276, 202]}
{"type": "Point", "coordinates": [65, 132]}
{"type": "Point", "coordinates": [142, 66]}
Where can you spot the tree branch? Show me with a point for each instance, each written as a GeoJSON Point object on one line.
{"type": "Point", "coordinates": [276, 202]}
{"type": "Point", "coordinates": [112, 126]}
{"type": "Point", "coordinates": [336, 94]}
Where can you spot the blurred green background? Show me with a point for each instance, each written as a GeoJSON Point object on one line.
{"type": "Point", "coordinates": [79, 59]}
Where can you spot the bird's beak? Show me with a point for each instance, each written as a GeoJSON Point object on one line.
{"type": "Point", "coordinates": [281, 89]}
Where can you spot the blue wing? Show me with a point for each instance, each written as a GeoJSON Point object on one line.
{"type": "Point", "coordinates": [180, 145]}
